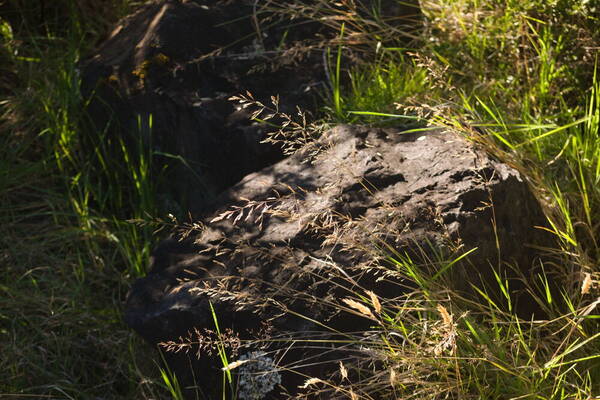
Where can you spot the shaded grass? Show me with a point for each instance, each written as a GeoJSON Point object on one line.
{"type": "Point", "coordinates": [67, 250]}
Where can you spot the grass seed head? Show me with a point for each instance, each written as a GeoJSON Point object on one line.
{"type": "Point", "coordinates": [375, 301]}
{"type": "Point", "coordinates": [587, 283]}
{"type": "Point", "coordinates": [446, 317]}
{"type": "Point", "coordinates": [361, 308]}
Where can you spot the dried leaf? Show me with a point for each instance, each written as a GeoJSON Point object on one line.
{"type": "Point", "coordinates": [265, 209]}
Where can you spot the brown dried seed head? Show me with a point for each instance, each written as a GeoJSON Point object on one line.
{"type": "Point", "coordinates": [309, 382]}
{"type": "Point", "coordinates": [587, 283]}
{"type": "Point", "coordinates": [446, 317]}
{"type": "Point", "coordinates": [234, 365]}
{"type": "Point", "coordinates": [361, 308]}
{"type": "Point", "coordinates": [375, 301]}
{"type": "Point", "coordinates": [343, 371]}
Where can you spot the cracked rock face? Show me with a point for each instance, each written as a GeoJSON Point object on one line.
{"type": "Point", "coordinates": [342, 204]}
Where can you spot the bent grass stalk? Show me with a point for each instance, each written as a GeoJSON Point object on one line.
{"type": "Point", "coordinates": [227, 377]}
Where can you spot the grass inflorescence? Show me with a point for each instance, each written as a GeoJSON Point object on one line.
{"type": "Point", "coordinates": [514, 77]}
{"type": "Point", "coordinates": [519, 77]}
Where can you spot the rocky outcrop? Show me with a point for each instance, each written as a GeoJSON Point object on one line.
{"type": "Point", "coordinates": [291, 239]}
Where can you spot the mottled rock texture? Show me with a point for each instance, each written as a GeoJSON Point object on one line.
{"type": "Point", "coordinates": [286, 236]}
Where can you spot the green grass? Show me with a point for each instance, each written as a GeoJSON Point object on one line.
{"type": "Point", "coordinates": [68, 251]}
{"type": "Point", "coordinates": [510, 76]}
{"type": "Point", "coordinates": [519, 77]}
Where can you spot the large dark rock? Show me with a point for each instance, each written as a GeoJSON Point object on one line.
{"type": "Point", "coordinates": [286, 236]}
{"type": "Point", "coordinates": [164, 77]}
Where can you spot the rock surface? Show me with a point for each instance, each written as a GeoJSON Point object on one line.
{"type": "Point", "coordinates": [281, 236]}
{"type": "Point", "coordinates": [164, 77]}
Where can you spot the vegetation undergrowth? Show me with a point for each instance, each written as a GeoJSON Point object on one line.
{"type": "Point", "coordinates": [68, 249]}
{"type": "Point", "coordinates": [514, 77]}
{"type": "Point", "coordinates": [518, 77]}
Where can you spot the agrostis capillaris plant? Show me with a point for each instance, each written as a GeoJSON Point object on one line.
{"type": "Point", "coordinates": [519, 77]}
